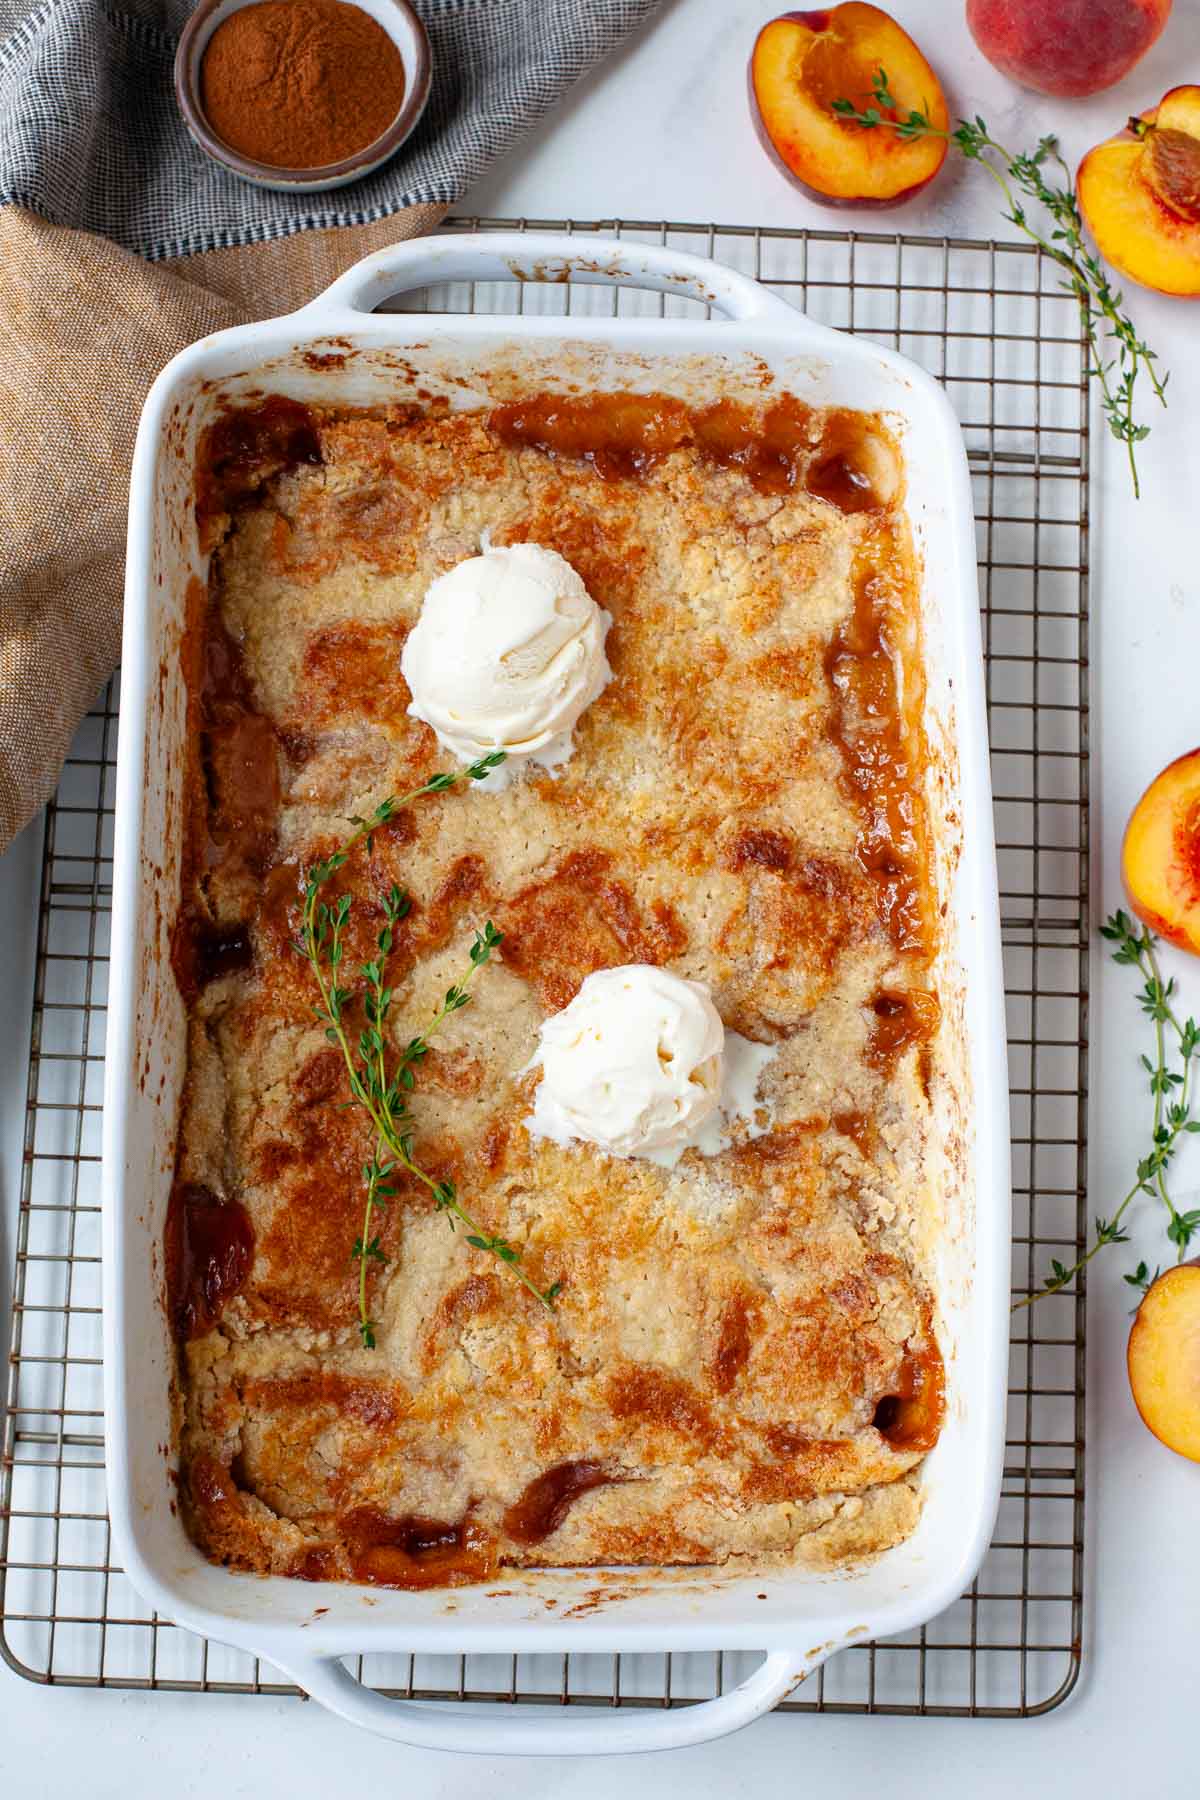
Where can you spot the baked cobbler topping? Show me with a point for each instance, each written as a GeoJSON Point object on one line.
{"type": "Point", "coordinates": [741, 1359]}
{"type": "Point", "coordinates": [636, 1064]}
{"type": "Point", "coordinates": [507, 654]}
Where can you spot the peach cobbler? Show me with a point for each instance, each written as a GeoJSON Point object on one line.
{"type": "Point", "coordinates": [556, 935]}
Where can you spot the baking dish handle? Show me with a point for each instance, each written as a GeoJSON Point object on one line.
{"type": "Point", "coordinates": [545, 257]}
{"type": "Point", "coordinates": [510, 1730]}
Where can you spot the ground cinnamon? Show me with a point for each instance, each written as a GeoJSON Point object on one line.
{"type": "Point", "coordinates": [300, 83]}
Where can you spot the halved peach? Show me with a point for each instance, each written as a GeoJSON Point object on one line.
{"type": "Point", "coordinates": [1140, 195]}
{"type": "Point", "coordinates": [802, 62]}
{"type": "Point", "coordinates": [1164, 1359]}
{"type": "Point", "coordinates": [1160, 858]}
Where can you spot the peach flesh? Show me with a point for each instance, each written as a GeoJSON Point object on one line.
{"type": "Point", "coordinates": [1163, 1360]}
{"type": "Point", "coordinates": [801, 63]}
{"type": "Point", "coordinates": [1160, 858]}
{"type": "Point", "coordinates": [1140, 196]}
{"type": "Point", "coordinates": [1066, 47]}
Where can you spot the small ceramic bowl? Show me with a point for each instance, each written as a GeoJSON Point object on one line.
{"type": "Point", "coordinates": [406, 32]}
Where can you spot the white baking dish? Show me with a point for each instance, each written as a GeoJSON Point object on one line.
{"type": "Point", "coordinates": [798, 1617]}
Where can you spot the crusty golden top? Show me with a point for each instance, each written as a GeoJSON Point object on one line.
{"type": "Point", "coordinates": [741, 1358]}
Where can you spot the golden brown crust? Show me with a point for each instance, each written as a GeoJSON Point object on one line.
{"type": "Point", "coordinates": [741, 1361]}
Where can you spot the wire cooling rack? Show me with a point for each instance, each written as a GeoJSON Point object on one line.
{"type": "Point", "coordinates": [991, 322]}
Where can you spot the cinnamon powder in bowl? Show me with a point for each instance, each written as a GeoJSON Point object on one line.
{"type": "Point", "coordinates": [302, 94]}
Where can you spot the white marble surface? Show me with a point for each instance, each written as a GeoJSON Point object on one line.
{"type": "Point", "coordinates": [663, 130]}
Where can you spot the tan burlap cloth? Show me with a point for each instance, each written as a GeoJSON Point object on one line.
{"type": "Point", "coordinates": [84, 329]}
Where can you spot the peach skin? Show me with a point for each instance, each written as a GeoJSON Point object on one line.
{"type": "Point", "coordinates": [1066, 47]}
{"type": "Point", "coordinates": [1140, 196]}
{"type": "Point", "coordinates": [1160, 858]}
{"type": "Point", "coordinates": [802, 62]}
{"type": "Point", "coordinates": [1163, 1359]}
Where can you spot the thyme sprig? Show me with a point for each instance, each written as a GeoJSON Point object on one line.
{"type": "Point", "coordinates": [381, 1091]}
{"type": "Point", "coordinates": [1172, 1091]}
{"type": "Point", "coordinates": [1117, 355]}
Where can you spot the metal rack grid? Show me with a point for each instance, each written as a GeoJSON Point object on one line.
{"type": "Point", "coordinates": [991, 322]}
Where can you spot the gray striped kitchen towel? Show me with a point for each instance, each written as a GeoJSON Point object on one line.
{"type": "Point", "coordinates": [90, 135]}
{"type": "Point", "coordinates": [120, 243]}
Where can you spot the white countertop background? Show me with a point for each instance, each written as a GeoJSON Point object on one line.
{"type": "Point", "coordinates": [663, 129]}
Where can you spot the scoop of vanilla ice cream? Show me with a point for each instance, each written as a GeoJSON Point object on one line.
{"type": "Point", "coordinates": [633, 1064]}
{"type": "Point", "coordinates": [507, 653]}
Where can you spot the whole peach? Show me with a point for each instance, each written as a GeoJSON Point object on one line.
{"type": "Point", "coordinates": [1067, 47]}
